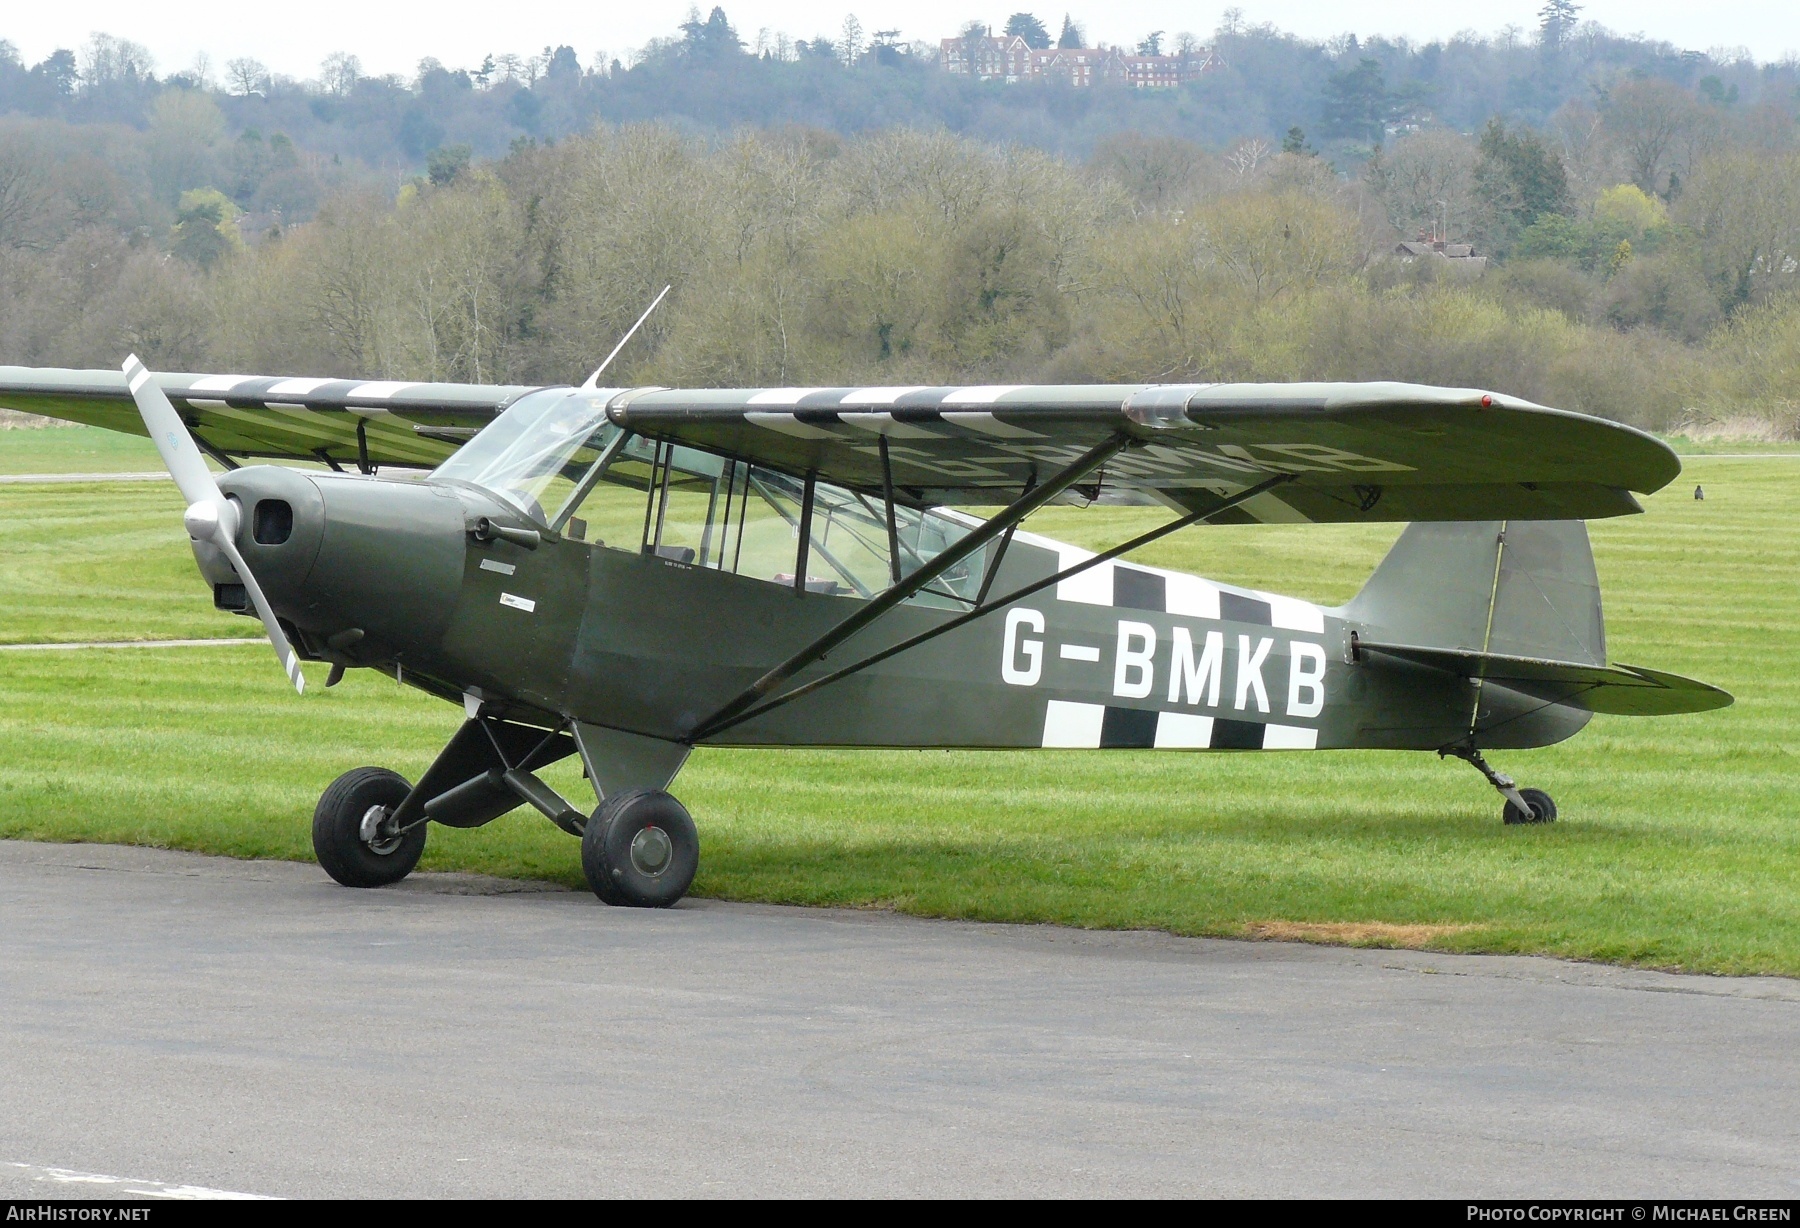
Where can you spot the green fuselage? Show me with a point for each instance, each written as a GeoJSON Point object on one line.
{"type": "Point", "coordinates": [387, 574]}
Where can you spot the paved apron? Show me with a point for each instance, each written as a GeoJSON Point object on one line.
{"type": "Point", "coordinates": [209, 1025]}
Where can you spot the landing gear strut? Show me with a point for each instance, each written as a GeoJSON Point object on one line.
{"type": "Point", "coordinates": [1522, 805]}
{"type": "Point", "coordinates": [639, 848]}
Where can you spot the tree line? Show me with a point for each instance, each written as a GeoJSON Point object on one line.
{"type": "Point", "coordinates": [1348, 96]}
{"type": "Point", "coordinates": [1646, 257]}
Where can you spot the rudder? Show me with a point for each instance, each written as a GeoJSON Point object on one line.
{"type": "Point", "coordinates": [1522, 588]}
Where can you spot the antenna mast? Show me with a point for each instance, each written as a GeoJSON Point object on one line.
{"type": "Point", "coordinates": [593, 381]}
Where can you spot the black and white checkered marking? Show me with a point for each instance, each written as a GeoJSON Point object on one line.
{"type": "Point", "coordinates": [1105, 727]}
{"type": "Point", "coordinates": [1132, 587]}
{"type": "Point", "coordinates": [1128, 586]}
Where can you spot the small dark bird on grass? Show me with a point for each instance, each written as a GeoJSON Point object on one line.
{"type": "Point", "coordinates": [1699, 494]}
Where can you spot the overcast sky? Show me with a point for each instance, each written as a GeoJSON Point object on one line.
{"type": "Point", "coordinates": [293, 38]}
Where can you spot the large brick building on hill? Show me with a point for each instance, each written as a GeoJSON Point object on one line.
{"type": "Point", "coordinates": [1009, 58]}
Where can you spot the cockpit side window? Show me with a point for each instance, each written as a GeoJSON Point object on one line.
{"type": "Point", "coordinates": [702, 510]}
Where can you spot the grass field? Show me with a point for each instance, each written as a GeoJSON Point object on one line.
{"type": "Point", "coordinates": [75, 449]}
{"type": "Point", "coordinates": [1679, 845]}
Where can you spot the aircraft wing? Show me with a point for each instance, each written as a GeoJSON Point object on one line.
{"type": "Point", "coordinates": [386, 422]}
{"type": "Point", "coordinates": [1358, 452]}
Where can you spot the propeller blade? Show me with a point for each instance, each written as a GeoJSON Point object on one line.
{"type": "Point", "coordinates": [170, 434]}
{"type": "Point", "coordinates": [210, 515]}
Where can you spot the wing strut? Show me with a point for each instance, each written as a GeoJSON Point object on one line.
{"type": "Point", "coordinates": [719, 724]}
{"type": "Point", "coordinates": [216, 453]}
{"type": "Point", "coordinates": [893, 527]}
{"type": "Point", "coordinates": [1014, 512]}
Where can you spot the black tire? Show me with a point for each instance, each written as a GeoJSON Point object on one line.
{"type": "Point", "coordinates": [337, 830]}
{"type": "Point", "coordinates": [640, 849]}
{"type": "Point", "coordinates": [1543, 808]}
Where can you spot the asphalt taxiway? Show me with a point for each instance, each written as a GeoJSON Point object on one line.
{"type": "Point", "coordinates": [177, 1025]}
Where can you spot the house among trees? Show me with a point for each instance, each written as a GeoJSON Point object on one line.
{"type": "Point", "coordinates": [979, 52]}
{"type": "Point", "coordinates": [1455, 259]}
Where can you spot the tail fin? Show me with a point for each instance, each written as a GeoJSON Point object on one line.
{"type": "Point", "coordinates": [1515, 607]}
{"type": "Point", "coordinates": [1522, 588]}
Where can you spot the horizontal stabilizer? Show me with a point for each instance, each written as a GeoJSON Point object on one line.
{"type": "Point", "coordinates": [1618, 690]}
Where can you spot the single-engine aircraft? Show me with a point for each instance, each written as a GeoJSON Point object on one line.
{"type": "Point", "coordinates": [626, 573]}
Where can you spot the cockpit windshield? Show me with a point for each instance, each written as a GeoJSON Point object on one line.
{"type": "Point", "coordinates": [534, 453]}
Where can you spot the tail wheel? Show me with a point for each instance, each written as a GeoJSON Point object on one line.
{"type": "Point", "coordinates": [1543, 808]}
{"type": "Point", "coordinates": [353, 836]}
{"type": "Point", "coordinates": [640, 849]}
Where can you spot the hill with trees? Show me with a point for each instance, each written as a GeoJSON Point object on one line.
{"type": "Point", "coordinates": [860, 216]}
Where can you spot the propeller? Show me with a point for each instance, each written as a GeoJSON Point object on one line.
{"type": "Point", "coordinates": [210, 516]}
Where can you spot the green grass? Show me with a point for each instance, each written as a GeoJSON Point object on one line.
{"type": "Point", "coordinates": [75, 449]}
{"type": "Point", "coordinates": [1730, 447]}
{"type": "Point", "coordinates": [82, 449]}
{"type": "Point", "coordinates": [101, 561]}
{"type": "Point", "coordinates": [1679, 845]}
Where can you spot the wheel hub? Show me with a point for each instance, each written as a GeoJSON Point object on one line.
{"type": "Point", "coordinates": [651, 851]}
{"type": "Point", "coordinates": [375, 833]}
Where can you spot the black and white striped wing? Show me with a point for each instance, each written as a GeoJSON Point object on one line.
{"type": "Point", "coordinates": [388, 422]}
{"type": "Point", "coordinates": [1358, 452]}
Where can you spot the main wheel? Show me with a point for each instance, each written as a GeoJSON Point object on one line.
{"type": "Point", "coordinates": [640, 849]}
{"type": "Point", "coordinates": [1543, 808]}
{"type": "Point", "coordinates": [348, 835]}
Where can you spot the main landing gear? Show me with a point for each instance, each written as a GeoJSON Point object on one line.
{"type": "Point", "coordinates": [638, 848]}
{"type": "Point", "coordinates": [354, 835]}
{"type": "Point", "coordinates": [1522, 805]}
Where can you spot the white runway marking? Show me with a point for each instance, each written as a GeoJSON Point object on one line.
{"type": "Point", "coordinates": [126, 1185]}
{"type": "Point", "coordinates": [52, 479]}
{"type": "Point", "coordinates": [232, 640]}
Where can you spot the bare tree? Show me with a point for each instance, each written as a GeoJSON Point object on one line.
{"type": "Point", "coordinates": [1587, 155]}
{"type": "Point", "coordinates": [244, 76]}
{"type": "Point", "coordinates": [1247, 155]}
{"type": "Point", "coordinates": [1276, 245]}
{"type": "Point", "coordinates": [114, 61]}
{"type": "Point", "coordinates": [1744, 209]}
{"type": "Point", "coordinates": [339, 73]}
{"type": "Point", "coordinates": [1427, 179]}
{"type": "Point", "coordinates": [185, 134]}
{"type": "Point", "coordinates": [1645, 120]}
{"type": "Point", "coordinates": [1158, 171]}
{"type": "Point", "coordinates": [28, 202]}
{"type": "Point", "coordinates": [200, 71]}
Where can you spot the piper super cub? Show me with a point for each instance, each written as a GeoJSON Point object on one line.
{"type": "Point", "coordinates": [626, 573]}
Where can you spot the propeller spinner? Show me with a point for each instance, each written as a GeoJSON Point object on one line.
{"type": "Point", "coordinates": [210, 516]}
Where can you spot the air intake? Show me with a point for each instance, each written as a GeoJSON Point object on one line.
{"type": "Point", "coordinates": [274, 522]}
